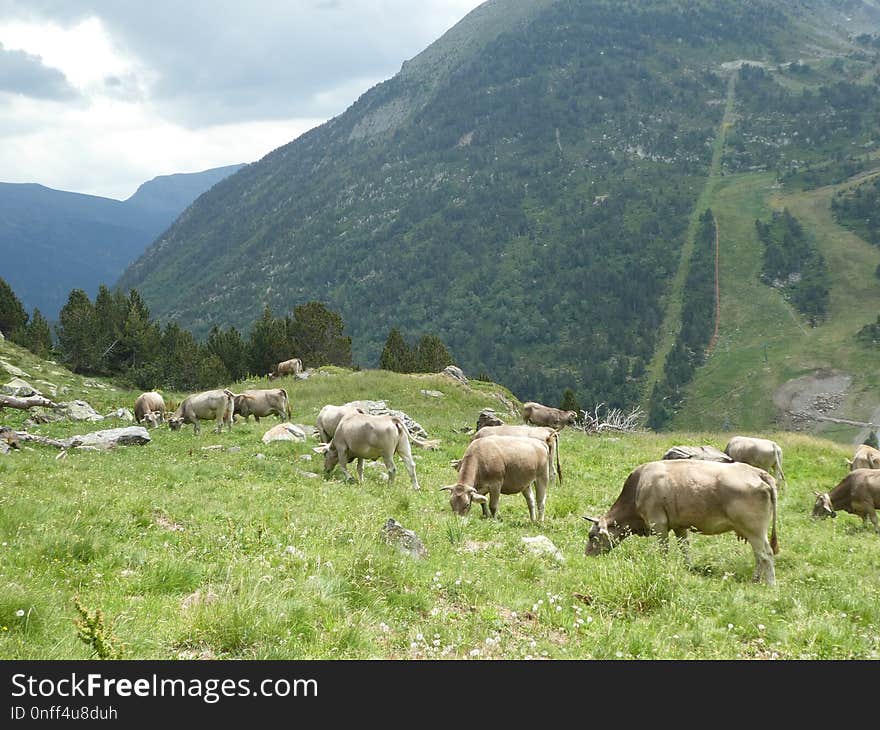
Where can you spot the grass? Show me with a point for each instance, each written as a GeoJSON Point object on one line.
{"type": "Point", "coordinates": [736, 385]}
{"type": "Point", "coordinates": [194, 553]}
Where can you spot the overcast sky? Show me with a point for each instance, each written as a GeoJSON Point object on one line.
{"type": "Point", "coordinates": [98, 96]}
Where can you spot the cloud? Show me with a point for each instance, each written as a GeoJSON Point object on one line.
{"type": "Point", "coordinates": [230, 62]}
{"type": "Point", "coordinates": [25, 75]}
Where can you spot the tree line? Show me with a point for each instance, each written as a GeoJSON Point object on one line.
{"type": "Point", "coordinates": [115, 336]}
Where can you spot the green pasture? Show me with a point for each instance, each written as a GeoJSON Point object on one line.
{"type": "Point", "coordinates": [190, 552]}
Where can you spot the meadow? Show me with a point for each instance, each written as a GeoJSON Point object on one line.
{"type": "Point", "coordinates": [196, 553]}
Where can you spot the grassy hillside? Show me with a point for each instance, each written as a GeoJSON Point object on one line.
{"type": "Point", "coordinates": [197, 553]}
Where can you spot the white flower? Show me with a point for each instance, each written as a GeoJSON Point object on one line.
{"type": "Point", "coordinates": [436, 642]}
{"type": "Point", "coordinates": [384, 627]}
{"type": "Point", "coordinates": [475, 652]}
{"type": "Point", "coordinates": [20, 612]}
{"type": "Point", "coordinates": [761, 627]}
{"type": "Point", "coordinates": [618, 654]}
{"type": "Point", "coordinates": [729, 626]}
{"type": "Point", "coordinates": [419, 637]}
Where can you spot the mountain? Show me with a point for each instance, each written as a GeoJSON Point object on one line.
{"type": "Point", "coordinates": [529, 187]}
{"type": "Point", "coordinates": [52, 241]}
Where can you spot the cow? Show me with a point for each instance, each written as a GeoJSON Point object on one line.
{"type": "Point", "coordinates": [293, 367]}
{"type": "Point", "coordinates": [542, 433]}
{"type": "Point", "coordinates": [150, 407]}
{"type": "Point", "coordinates": [865, 457]}
{"type": "Point", "coordinates": [261, 403]}
{"type": "Point", "coordinates": [210, 404]}
{"type": "Point", "coordinates": [329, 417]}
{"type": "Point", "coordinates": [858, 493]}
{"type": "Point", "coordinates": [363, 436]}
{"type": "Point", "coordinates": [762, 453]}
{"type": "Point", "coordinates": [497, 465]}
{"type": "Point", "coordinates": [541, 415]}
{"type": "Point", "coordinates": [709, 497]}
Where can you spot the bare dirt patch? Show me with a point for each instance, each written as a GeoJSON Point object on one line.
{"type": "Point", "coordinates": [800, 401]}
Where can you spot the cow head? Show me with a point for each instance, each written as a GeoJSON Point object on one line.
{"type": "Point", "coordinates": [461, 498]}
{"type": "Point", "coordinates": [603, 536]}
{"type": "Point", "coordinates": [175, 422]}
{"type": "Point", "coordinates": [571, 417]}
{"type": "Point", "coordinates": [331, 456]}
{"type": "Point", "coordinates": [822, 507]}
{"type": "Point", "coordinates": [154, 418]}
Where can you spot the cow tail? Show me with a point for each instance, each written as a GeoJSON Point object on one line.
{"type": "Point", "coordinates": [778, 453]}
{"type": "Point", "coordinates": [555, 439]}
{"type": "Point", "coordinates": [770, 482]}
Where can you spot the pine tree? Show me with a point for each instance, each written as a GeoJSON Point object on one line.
{"type": "Point", "coordinates": [317, 339]}
{"type": "Point", "coordinates": [76, 329]}
{"type": "Point", "coordinates": [569, 401]}
{"type": "Point", "coordinates": [397, 356]}
{"type": "Point", "coordinates": [12, 313]}
{"type": "Point", "coordinates": [268, 343]}
{"type": "Point", "coordinates": [432, 355]}
{"type": "Point", "coordinates": [230, 348]}
{"type": "Point", "coordinates": [39, 336]}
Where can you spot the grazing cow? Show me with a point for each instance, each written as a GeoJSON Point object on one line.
{"type": "Point", "coordinates": [705, 496]}
{"type": "Point", "coordinates": [497, 465]}
{"type": "Point", "coordinates": [217, 405]}
{"type": "Point", "coordinates": [858, 493]}
{"type": "Point", "coordinates": [150, 407]}
{"type": "Point", "coordinates": [762, 453]}
{"type": "Point", "coordinates": [261, 403]}
{"type": "Point", "coordinates": [328, 419]}
{"type": "Point", "coordinates": [293, 367]}
{"type": "Point", "coordinates": [542, 433]}
{"type": "Point", "coordinates": [540, 415]}
{"type": "Point", "coordinates": [866, 457]}
{"type": "Point", "coordinates": [363, 436]}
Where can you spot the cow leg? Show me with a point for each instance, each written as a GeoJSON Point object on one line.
{"type": "Point", "coordinates": [541, 495]}
{"type": "Point", "coordinates": [530, 501]}
{"type": "Point", "coordinates": [343, 463]}
{"type": "Point", "coordinates": [495, 497]}
{"type": "Point", "coordinates": [661, 529]}
{"type": "Point", "coordinates": [360, 468]}
{"type": "Point", "coordinates": [392, 468]}
{"type": "Point", "coordinates": [256, 418]}
{"type": "Point", "coordinates": [764, 568]}
{"type": "Point", "coordinates": [872, 515]}
{"type": "Point", "coordinates": [409, 463]}
{"type": "Point", "coordinates": [197, 429]}
{"type": "Point", "coordinates": [682, 535]}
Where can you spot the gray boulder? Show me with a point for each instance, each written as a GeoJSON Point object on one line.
{"type": "Point", "coordinates": [702, 453]}
{"type": "Point", "coordinates": [19, 388]}
{"type": "Point", "coordinates": [284, 432]}
{"type": "Point", "coordinates": [488, 417]}
{"type": "Point", "coordinates": [406, 541]}
{"type": "Point", "coordinates": [110, 438]}
{"type": "Point", "coordinates": [379, 408]}
{"type": "Point", "coordinates": [453, 371]}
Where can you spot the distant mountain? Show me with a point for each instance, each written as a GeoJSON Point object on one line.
{"type": "Point", "coordinates": [524, 188]}
{"type": "Point", "coordinates": [52, 241]}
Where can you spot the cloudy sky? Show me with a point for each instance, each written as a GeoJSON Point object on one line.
{"type": "Point", "coordinates": [98, 96]}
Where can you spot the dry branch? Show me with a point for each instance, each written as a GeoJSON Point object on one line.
{"type": "Point", "coordinates": [614, 419]}
{"type": "Point", "coordinates": [11, 401]}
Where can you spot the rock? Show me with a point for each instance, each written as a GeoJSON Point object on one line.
{"type": "Point", "coordinates": [213, 447]}
{"type": "Point", "coordinates": [396, 535]}
{"type": "Point", "coordinates": [703, 453]}
{"type": "Point", "coordinates": [19, 388]}
{"type": "Point", "coordinates": [110, 438]}
{"type": "Point", "coordinates": [12, 370]}
{"type": "Point", "coordinates": [259, 456]}
{"type": "Point", "coordinates": [379, 408]}
{"type": "Point", "coordinates": [308, 474]}
{"type": "Point", "coordinates": [233, 449]}
{"type": "Point", "coordinates": [454, 371]}
{"type": "Point", "coordinates": [123, 414]}
{"type": "Point", "coordinates": [4, 448]}
{"type": "Point", "coordinates": [284, 432]}
{"type": "Point", "coordinates": [433, 393]}
{"type": "Point", "coordinates": [78, 410]}
{"type": "Point", "coordinates": [541, 545]}
{"type": "Point", "coordinates": [94, 384]}
{"type": "Point", "coordinates": [488, 417]}
{"type": "Point", "coordinates": [305, 457]}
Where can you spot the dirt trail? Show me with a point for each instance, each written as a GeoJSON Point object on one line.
{"type": "Point", "coordinates": [711, 345]}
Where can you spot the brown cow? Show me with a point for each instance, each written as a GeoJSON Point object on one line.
{"type": "Point", "coordinates": [293, 367]}
{"type": "Point", "coordinates": [497, 465]}
{"type": "Point", "coordinates": [210, 404]}
{"type": "Point", "coordinates": [705, 496]}
{"type": "Point", "coordinates": [542, 433]}
{"type": "Point", "coordinates": [865, 457]}
{"type": "Point", "coordinates": [541, 415]}
{"type": "Point", "coordinates": [762, 453]}
{"type": "Point", "coordinates": [261, 403]}
{"type": "Point", "coordinates": [363, 436]}
{"type": "Point", "coordinates": [150, 407]}
{"type": "Point", "coordinates": [857, 493]}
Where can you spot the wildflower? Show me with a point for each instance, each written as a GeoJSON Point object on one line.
{"type": "Point", "coordinates": [618, 654]}
{"type": "Point", "coordinates": [20, 612]}
{"type": "Point", "coordinates": [385, 628]}
{"type": "Point", "coordinates": [436, 642]}
{"type": "Point", "coordinates": [729, 626]}
{"type": "Point", "coordinates": [475, 652]}
{"type": "Point", "coordinates": [419, 637]}
{"type": "Point", "coordinates": [761, 627]}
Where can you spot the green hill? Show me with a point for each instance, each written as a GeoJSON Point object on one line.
{"type": "Point", "coordinates": [220, 546]}
{"type": "Point", "coordinates": [528, 189]}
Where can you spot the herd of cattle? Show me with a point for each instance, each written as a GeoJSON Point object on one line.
{"type": "Point", "coordinates": [681, 495]}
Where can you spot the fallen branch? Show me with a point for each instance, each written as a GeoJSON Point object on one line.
{"type": "Point", "coordinates": [11, 401]}
{"type": "Point", "coordinates": [25, 436]}
{"type": "Point", "coordinates": [614, 419]}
